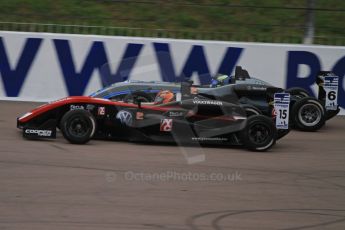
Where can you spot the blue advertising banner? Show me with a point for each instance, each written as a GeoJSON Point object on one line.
{"type": "Point", "coordinates": [39, 66]}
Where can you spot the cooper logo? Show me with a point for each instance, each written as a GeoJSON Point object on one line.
{"type": "Point", "coordinates": [39, 132]}
{"type": "Point", "coordinates": [206, 102]}
{"type": "Point", "coordinates": [74, 107]}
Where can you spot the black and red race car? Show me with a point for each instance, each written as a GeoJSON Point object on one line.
{"type": "Point", "coordinates": [191, 119]}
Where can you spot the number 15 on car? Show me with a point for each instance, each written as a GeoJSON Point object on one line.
{"type": "Point", "coordinates": [281, 107]}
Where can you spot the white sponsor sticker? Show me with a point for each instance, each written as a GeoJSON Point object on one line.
{"type": "Point", "coordinates": [331, 88]}
{"type": "Point", "coordinates": [39, 132]}
{"type": "Point", "coordinates": [125, 117]}
{"type": "Point", "coordinates": [178, 96]}
{"type": "Point", "coordinates": [281, 108]}
{"type": "Point", "coordinates": [101, 111]}
{"type": "Point", "coordinates": [166, 125]}
{"type": "Point", "coordinates": [74, 107]}
{"type": "Point", "coordinates": [139, 116]}
{"type": "Point", "coordinates": [206, 102]}
{"type": "Point", "coordinates": [175, 114]}
{"type": "Point", "coordinates": [220, 139]}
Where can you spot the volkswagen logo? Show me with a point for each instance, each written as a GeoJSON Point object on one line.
{"type": "Point", "coordinates": [125, 117]}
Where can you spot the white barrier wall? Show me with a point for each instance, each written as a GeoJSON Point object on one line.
{"type": "Point", "coordinates": [43, 66]}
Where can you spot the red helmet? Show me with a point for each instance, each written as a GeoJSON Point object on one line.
{"type": "Point", "coordinates": [164, 96]}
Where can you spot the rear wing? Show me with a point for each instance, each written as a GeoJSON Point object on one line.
{"type": "Point", "coordinates": [241, 74]}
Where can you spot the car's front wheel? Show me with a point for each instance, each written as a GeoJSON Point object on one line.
{"type": "Point", "coordinates": [259, 134]}
{"type": "Point", "coordinates": [78, 126]}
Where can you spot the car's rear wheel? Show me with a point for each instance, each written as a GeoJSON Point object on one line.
{"type": "Point", "coordinates": [308, 114]}
{"type": "Point", "coordinates": [78, 126]}
{"type": "Point", "coordinates": [259, 134]}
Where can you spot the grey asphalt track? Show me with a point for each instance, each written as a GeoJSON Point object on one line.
{"type": "Point", "coordinates": [50, 184]}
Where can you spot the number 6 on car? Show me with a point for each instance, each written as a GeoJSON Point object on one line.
{"type": "Point", "coordinates": [331, 89]}
{"type": "Point", "coordinates": [281, 107]}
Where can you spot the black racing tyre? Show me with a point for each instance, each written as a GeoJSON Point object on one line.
{"type": "Point", "coordinates": [298, 91]}
{"type": "Point", "coordinates": [251, 110]}
{"type": "Point", "coordinates": [259, 134]}
{"type": "Point", "coordinates": [308, 114]}
{"type": "Point", "coordinates": [78, 126]}
{"type": "Point", "coordinates": [142, 96]}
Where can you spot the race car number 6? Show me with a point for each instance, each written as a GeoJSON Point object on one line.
{"type": "Point", "coordinates": [332, 95]}
{"type": "Point", "coordinates": [331, 88]}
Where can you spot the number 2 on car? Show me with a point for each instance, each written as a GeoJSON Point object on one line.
{"type": "Point", "coordinates": [281, 107]}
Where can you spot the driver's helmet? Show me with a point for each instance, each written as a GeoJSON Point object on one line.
{"type": "Point", "coordinates": [164, 96]}
{"type": "Point", "coordinates": [219, 80]}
